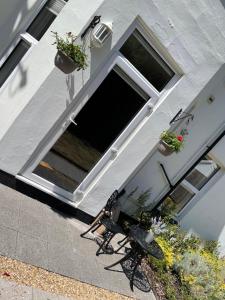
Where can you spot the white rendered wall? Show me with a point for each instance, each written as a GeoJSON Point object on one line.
{"type": "Point", "coordinates": [13, 18]}
{"type": "Point", "coordinates": [209, 118]}
{"type": "Point", "coordinates": [206, 217]}
{"type": "Point", "coordinates": [190, 35]}
{"type": "Point", "coordinates": [204, 214]}
{"type": "Point", "coordinates": [38, 63]}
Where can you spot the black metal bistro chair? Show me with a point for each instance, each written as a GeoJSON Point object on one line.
{"type": "Point", "coordinates": [108, 218]}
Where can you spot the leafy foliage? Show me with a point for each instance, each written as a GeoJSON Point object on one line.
{"type": "Point", "coordinates": [69, 48]}
{"type": "Point", "coordinates": [174, 141]}
{"type": "Point", "coordinates": [191, 267]}
{"type": "Point", "coordinates": [141, 214]}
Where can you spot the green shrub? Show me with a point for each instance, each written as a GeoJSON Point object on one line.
{"type": "Point", "coordinates": [203, 273]}
{"type": "Point", "coordinates": [192, 265]}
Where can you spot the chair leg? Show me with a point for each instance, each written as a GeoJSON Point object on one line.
{"type": "Point", "coordinates": [105, 242]}
{"type": "Point", "coordinates": [122, 240]}
{"type": "Point", "coordinates": [92, 228]}
{"type": "Point", "coordinates": [109, 240]}
{"type": "Point", "coordinates": [127, 241]}
{"type": "Point", "coordinates": [126, 257]}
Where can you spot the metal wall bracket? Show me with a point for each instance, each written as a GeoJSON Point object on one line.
{"type": "Point", "coordinates": [182, 115]}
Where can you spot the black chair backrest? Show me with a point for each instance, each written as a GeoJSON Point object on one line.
{"type": "Point", "coordinates": [113, 200]}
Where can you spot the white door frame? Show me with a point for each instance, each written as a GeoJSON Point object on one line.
{"type": "Point", "coordinates": [62, 124]}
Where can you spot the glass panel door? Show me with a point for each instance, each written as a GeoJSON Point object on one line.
{"type": "Point", "coordinates": [110, 109]}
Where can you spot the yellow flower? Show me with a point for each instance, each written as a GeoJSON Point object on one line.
{"type": "Point", "coordinates": [167, 250]}
{"type": "Point", "coordinates": [190, 279]}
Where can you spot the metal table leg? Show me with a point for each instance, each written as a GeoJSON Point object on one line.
{"type": "Point", "coordinates": [126, 257]}
{"type": "Point", "coordinates": [138, 262]}
{"type": "Point", "coordinates": [126, 241]}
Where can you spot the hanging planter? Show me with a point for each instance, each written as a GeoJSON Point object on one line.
{"type": "Point", "coordinates": [65, 63]}
{"type": "Point", "coordinates": [170, 142]}
{"type": "Point", "coordinates": [164, 148]}
{"type": "Point", "coordinates": [69, 56]}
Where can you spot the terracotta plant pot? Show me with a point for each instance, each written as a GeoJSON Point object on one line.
{"type": "Point", "coordinates": [64, 63]}
{"type": "Point", "coordinates": [164, 148]}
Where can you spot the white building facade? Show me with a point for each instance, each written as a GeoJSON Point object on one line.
{"type": "Point", "coordinates": [161, 57]}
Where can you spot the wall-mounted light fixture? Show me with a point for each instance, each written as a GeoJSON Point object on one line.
{"type": "Point", "coordinates": [100, 34]}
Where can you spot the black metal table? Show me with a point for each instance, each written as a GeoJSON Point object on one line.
{"type": "Point", "coordinates": [142, 244]}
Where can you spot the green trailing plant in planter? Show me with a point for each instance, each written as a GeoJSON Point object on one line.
{"type": "Point", "coordinates": [70, 56]}
{"type": "Point", "coordinates": [170, 142]}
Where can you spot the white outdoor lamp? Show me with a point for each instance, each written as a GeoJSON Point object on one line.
{"type": "Point", "coordinates": [100, 34]}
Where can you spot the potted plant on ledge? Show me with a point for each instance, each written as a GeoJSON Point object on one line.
{"type": "Point", "coordinates": [170, 142]}
{"type": "Point", "coordinates": [69, 56]}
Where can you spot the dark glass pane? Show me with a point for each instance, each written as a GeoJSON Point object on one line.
{"type": "Point", "coordinates": [41, 23]}
{"type": "Point", "coordinates": [129, 81]}
{"type": "Point", "coordinates": [181, 197]}
{"type": "Point", "coordinates": [202, 173]}
{"type": "Point", "coordinates": [138, 51]}
{"type": "Point", "coordinates": [13, 60]}
{"type": "Point", "coordinates": [110, 109]}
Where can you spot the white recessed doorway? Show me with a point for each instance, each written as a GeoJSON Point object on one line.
{"type": "Point", "coordinates": [106, 115]}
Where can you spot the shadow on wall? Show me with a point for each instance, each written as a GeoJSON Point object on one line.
{"type": "Point", "coordinates": [70, 82]}
{"type": "Point", "coordinates": [223, 3]}
{"type": "Point", "coordinates": [13, 14]}
{"type": "Point", "coordinates": [23, 80]}
{"type": "Point", "coordinates": [96, 56]}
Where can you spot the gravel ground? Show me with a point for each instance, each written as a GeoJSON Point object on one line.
{"type": "Point", "coordinates": [50, 282]}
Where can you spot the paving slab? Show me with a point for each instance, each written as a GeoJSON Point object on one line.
{"type": "Point", "coordinates": [12, 291]}
{"type": "Point", "coordinates": [9, 216]}
{"type": "Point", "coordinates": [8, 238]}
{"type": "Point", "coordinates": [39, 225]}
{"type": "Point", "coordinates": [31, 250]}
{"type": "Point", "coordinates": [50, 239]}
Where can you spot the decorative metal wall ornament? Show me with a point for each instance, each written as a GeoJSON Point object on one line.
{"type": "Point", "coordinates": [182, 115]}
